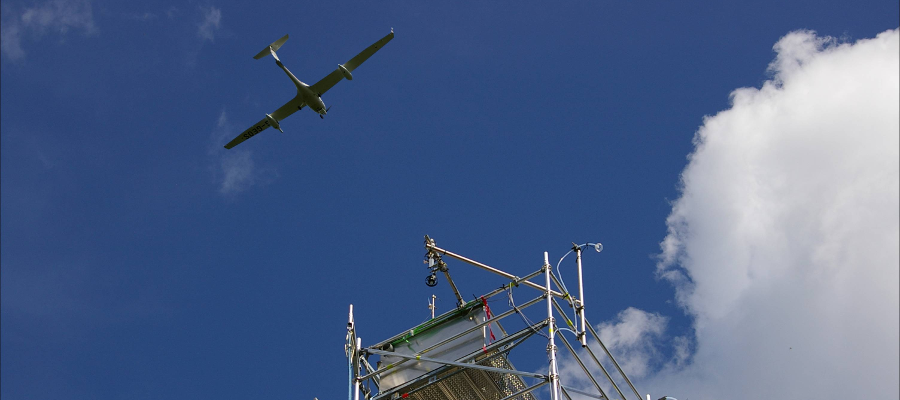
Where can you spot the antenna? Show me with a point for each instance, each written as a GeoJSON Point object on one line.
{"type": "Point", "coordinates": [432, 305]}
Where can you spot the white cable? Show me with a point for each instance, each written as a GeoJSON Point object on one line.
{"type": "Point", "coordinates": [525, 319]}
{"type": "Point", "coordinates": [562, 283]}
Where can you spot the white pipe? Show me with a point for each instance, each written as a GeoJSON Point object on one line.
{"type": "Point", "coordinates": [554, 372]}
{"type": "Point", "coordinates": [582, 335]}
{"type": "Point", "coordinates": [351, 378]}
{"type": "Point", "coordinates": [356, 382]}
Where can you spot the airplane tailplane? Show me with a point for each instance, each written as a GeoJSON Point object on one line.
{"type": "Point", "coordinates": [274, 46]}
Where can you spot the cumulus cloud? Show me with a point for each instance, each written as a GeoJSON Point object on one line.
{"type": "Point", "coordinates": [235, 170]}
{"type": "Point", "coordinates": [55, 16]}
{"type": "Point", "coordinates": [634, 334]}
{"type": "Point", "coordinates": [784, 245]}
{"type": "Point", "coordinates": [212, 17]}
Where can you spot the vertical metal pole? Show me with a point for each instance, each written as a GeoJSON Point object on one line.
{"type": "Point", "coordinates": [433, 305]}
{"type": "Point", "coordinates": [581, 335]}
{"type": "Point", "coordinates": [551, 348]}
{"type": "Point", "coordinates": [351, 354]}
{"type": "Point", "coordinates": [356, 369]}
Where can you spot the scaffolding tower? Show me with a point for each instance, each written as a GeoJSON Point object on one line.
{"type": "Point", "coordinates": [459, 356]}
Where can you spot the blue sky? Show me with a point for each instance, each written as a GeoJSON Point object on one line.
{"type": "Point", "coordinates": [132, 267]}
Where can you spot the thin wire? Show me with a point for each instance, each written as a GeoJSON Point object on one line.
{"type": "Point", "coordinates": [528, 322]}
{"type": "Point", "coordinates": [562, 282]}
{"type": "Point", "coordinates": [567, 329]}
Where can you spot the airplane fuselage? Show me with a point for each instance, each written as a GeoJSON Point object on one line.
{"type": "Point", "coordinates": [310, 99]}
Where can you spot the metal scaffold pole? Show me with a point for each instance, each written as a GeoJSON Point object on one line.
{"type": "Point", "coordinates": [579, 304]}
{"type": "Point", "coordinates": [358, 347]}
{"type": "Point", "coordinates": [551, 347]}
{"type": "Point", "coordinates": [349, 348]}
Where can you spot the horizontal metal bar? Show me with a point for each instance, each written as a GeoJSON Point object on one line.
{"type": "Point", "coordinates": [526, 390]}
{"type": "Point", "coordinates": [369, 368]}
{"type": "Point", "coordinates": [458, 364]}
{"type": "Point", "coordinates": [492, 269]}
{"type": "Point", "coordinates": [528, 331]}
{"type": "Point", "coordinates": [565, 388]}
{"type": "Point", "coordinates": [457, 336]}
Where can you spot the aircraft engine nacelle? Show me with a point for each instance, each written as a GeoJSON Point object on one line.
{"type": "Point", "coordinates": [346, 72]}
{"type": "Point", "coordinates": [274, 123]}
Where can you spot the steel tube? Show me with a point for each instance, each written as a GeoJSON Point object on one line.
{"type": "Point", "coordinates": [526, 390]}
{"type": "Point", "coordinates": [515, 336]}
{"type": "Point", "coordinates": [458, 364]}
{"type": "Point", "coordinates": [579, 304]}
{"type": "Point", "coordinates": [351, 378]}
{"type": "Point", "coordinates": [566, 316]}
{"type": "Point", "coordinates": [356, 369]}
{"type": "Point", "coordinates": [584, 393]}
{"type": "Point", "coordinates": [565, 392]}
{"type": "Point", "coordinates": [368, 367]}
{"type": "Point", "coordinates": [551, 347]}
{"type": "Point", "coordinates": [491, 269]}
{"type": "Point", "coordinates": [583, 367]}
{"type": "Point", "coordinates": [455, 290]}
{"type": "Point", "coordinates": [597, 361]}
{"type": "Point", "coordinates": [596, 336]}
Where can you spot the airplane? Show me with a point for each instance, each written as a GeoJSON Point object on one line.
{"type": "Point", "coordinates": [307, 96]}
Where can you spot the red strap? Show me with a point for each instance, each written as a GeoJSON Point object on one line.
{"type": "Point", "coordinates": [487, 313]}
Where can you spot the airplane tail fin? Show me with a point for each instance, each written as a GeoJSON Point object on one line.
{"type": "Point", "coordinates": [274, 46]}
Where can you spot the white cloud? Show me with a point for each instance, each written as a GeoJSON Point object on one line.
{"type": "Point", "coordinates": [783, 246]}
{"type": "Point", "coordinates": [55, 16]}
{"type": "Point", "coordinates": [212, 17]}
{"type": "Point", "coordinates": [634, 335]}
{"type": "Point", "coordinates": [235, 170]}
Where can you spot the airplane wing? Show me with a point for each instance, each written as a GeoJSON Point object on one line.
{"type": "Point", "coordinates": [249, 133]}
{"type": "Point", "coordinates": [288, 109]}
{"type": "Point", "coordinates": [335, 76]}
{"type": "Point", "coordinates": [279, 114]}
